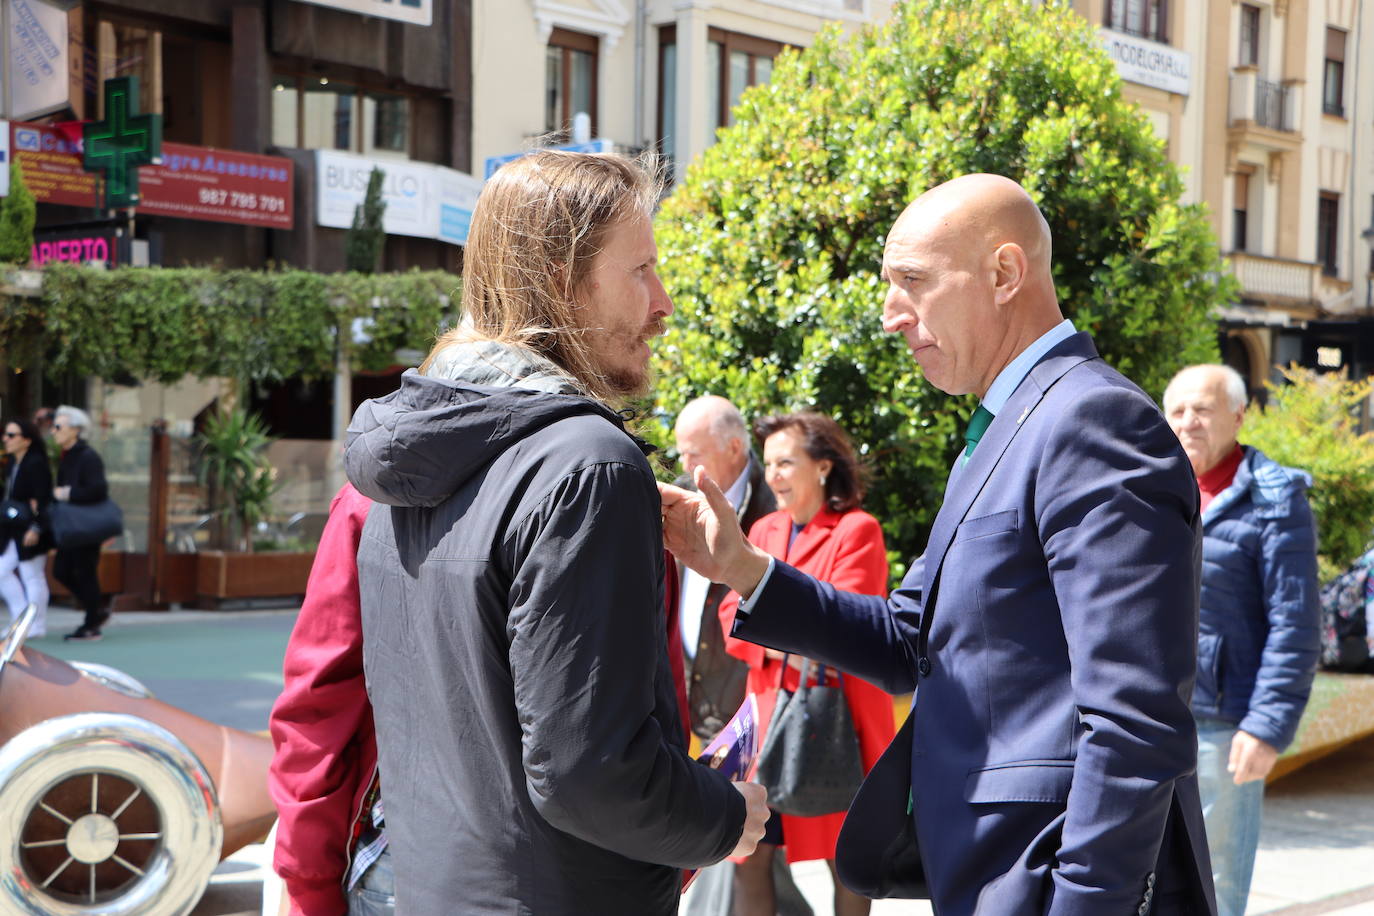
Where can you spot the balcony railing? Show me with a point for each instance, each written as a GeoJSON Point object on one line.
{"type": "Point", "coordinates": [1263, 103]}
{"type": "Point", "coordinates": [1271, 104]}
{"type": "Point", "coordinates": [1277, 278]}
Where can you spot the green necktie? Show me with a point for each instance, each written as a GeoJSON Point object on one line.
{"type": "Point", "coordinates": [977, 425]}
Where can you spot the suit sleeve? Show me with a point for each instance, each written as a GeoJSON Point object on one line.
{"type": "Point", "coordinates": [862, 635]}
{"type": "Point", "coordinates": [587, 651]}
{"type": "Point", "coordinates": [1117, 508]}
{"type": "Point", "coordinates": [1288, 660]}
{"type": "Point", "coordinates": [319, 720]}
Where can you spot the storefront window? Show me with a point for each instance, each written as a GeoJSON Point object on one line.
{"type": "Point", "coordinates": [285, 111]}
{"type": "Point", "coordinates": [387, 122]}
{"type": "Point", "coordinates": [320, 113]}
{"type": "Point", "coordinates": [128, 50]}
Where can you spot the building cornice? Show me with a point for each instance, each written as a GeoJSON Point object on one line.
{"type": "Point", "coordinates": [607, 20]}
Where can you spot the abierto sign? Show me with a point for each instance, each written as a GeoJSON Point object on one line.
{"type": "Point", "coordinates": [415, 12]}
{"type": "Point", "coordinates": [1148, 63]}
{"type": "Point", "coordinates": [423, 200]}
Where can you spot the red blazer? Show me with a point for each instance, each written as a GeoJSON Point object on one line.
{"type": "Point", "coordinates": [845, 549]}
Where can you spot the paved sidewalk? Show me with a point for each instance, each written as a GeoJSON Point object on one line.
{"type": "Point", "coordinates": [1316, 851]}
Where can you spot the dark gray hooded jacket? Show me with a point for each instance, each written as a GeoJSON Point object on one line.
{"type": "Point", "coordinates": [529, 740]}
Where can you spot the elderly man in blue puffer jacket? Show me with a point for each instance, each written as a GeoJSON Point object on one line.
{"type": "Point", "coordinates": [1259, 633]}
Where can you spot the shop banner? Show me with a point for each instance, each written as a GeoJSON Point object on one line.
{"type": "Point", "coordinates": [191, 182]}
{"type": "Point", "coordinates": [4, 158]}
{"type": "Point", "coordinates": [422, 200]}
{"type": "Point", "coordinates": [200, 182]}
{"type": "Point", "coordinates": [52, 165]}
{"type": "Point", "coordinates": [37, 45]}
{"type": "Point", "coordinates": [457, 198]}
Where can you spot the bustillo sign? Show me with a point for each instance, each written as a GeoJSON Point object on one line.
{"type": "Point", "coordinates": [422, 199]}
{"type": "Point", "coordinates": [191, 182]}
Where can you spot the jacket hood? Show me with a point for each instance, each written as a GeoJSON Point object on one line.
{"type": "Point", "coordinates": [418, 445]}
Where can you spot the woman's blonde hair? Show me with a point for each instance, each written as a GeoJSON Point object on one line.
{"type": "Point", "coordinates": [536, 227]}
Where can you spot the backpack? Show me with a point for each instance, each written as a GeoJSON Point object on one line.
{"type": "Point", "coordinates": [1346, 637]}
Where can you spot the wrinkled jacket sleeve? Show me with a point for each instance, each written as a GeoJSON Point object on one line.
{"type": "Point", "coordinates": [322, 720]}
{"type": "Point", "coordinates": [1117, 513]}
{"type": "Point", "coordinates": [1289, 659]}
{"type": "Point", "coordinates": [588, 660]}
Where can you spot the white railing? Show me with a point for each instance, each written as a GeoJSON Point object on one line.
{"type": "Point", "coordinates": [1276, 106]}
{"type": "Point", "coordinates": [1277, 277]}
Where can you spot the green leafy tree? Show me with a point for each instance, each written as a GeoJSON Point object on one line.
{"type": "Point", "coordinates": [17, 214]}
{"type": "Point", "coordinates": [363, 247]}
{"type": "Point", "coordinates": [771, 245]}
{"type": "Point", "coordinates": [1309, 424]}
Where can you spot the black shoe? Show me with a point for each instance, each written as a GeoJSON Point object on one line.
{"type": "Point", "coordinates": [100, 621]}
{"type": "Point", "coordinates": [83, 634]}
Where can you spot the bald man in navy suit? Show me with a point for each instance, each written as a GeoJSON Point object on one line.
{"type": "Point", "coordinates": [1049, 762]}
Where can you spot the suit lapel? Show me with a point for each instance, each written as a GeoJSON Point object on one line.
{"type": "Point", "coordinates": [965, 484]}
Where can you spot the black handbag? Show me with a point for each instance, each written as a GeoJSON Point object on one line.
{"type": "Point", "coordinates": [810, 760]}
{"type": "Point", "coordinates": [84, 524]}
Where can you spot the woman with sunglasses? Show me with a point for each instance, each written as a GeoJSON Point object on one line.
{"type": "Point", "coordinates": [23, 544]}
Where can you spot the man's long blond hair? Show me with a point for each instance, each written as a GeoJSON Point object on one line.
{"type": "Point", "coordinates": [536, 227]}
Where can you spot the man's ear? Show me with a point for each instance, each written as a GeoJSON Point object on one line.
{"type": "Point", "coordinates": [1010, 266]}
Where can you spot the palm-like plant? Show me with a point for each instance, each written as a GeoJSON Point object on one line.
{"type": "Point", "coordinates": [233, 463]}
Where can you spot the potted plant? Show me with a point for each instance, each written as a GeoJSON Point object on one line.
{"type": "Point", "coordinates": [242, 482]}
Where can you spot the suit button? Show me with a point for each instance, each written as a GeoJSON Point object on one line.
{"type": "Point", "coordinates": [1150, 880]}
{"type": "Point", "coordinates": [923, 666]}
{"type": "Point", "coordinates": [702, 646]}
{"type": "Point", "coordinates": [1144, 908]}
{"type": "Point", "coordinates": [696, 677]}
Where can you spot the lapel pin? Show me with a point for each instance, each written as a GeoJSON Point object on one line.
{"type": "Point", "coordinates": [1025, 412]}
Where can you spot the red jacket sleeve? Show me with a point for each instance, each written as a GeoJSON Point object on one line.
{"type": "Point", "coordinates": [861, 566]}
{"type": "Point", "coordinates": [675, 662]}
{"type": "Point", "coordinates": [321, 724]}
{"type": "Point", "coordinates": [748, 652]}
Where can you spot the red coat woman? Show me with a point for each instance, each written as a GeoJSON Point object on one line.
{"type": "Point", "coordinates": [810, 466]}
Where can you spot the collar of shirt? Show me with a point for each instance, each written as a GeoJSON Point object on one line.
{"type": "Point", "coordinates": [736, 493]}
{"type": "Point", "coordinates": [1010, 378]}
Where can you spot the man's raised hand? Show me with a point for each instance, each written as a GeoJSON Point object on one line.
{"type": "Point", "coordinates": [702, 531]}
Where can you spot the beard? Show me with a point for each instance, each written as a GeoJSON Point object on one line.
{"type": "Point", "coordinates": [616, 354]}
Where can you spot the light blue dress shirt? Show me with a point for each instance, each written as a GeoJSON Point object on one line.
{"type": "Point", "coordinates": [1007, 381]}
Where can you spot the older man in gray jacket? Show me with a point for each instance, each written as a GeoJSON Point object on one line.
{"type": "Point", "coordinates": [528, 731]}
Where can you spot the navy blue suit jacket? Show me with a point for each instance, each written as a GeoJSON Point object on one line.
{"type": "Point", "coordinates": [1050, 634]}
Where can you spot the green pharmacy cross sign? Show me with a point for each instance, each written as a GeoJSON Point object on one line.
{"type": "Point", "coordinates": [122, 142]}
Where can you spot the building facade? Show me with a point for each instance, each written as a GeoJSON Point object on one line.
{"type": "Point", "coordinates": [273, 115]}
{"type": "Point", "coordinates": [1268, 107]}
{"type": "Point", "coordinates": [643, 74]}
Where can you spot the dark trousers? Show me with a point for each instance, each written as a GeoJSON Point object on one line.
{"type": "Point", "coordinates": [77, 568]}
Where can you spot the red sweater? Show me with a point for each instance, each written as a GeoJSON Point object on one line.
{"type": "Point", "coordinates": [322, 723]}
